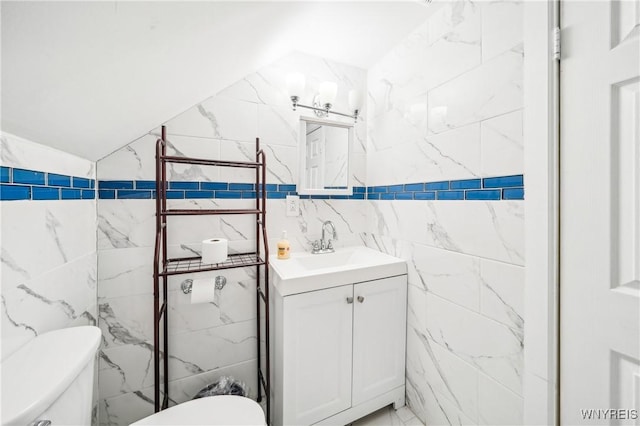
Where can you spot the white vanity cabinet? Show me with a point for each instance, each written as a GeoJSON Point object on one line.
{"type": "Point", "coordinates": [338, 353]}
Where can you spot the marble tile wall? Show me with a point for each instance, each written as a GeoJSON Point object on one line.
{"type": "Point", "coordinates": [212, 339]}
{"type": "Point", "coordinates": [446, 103]}
{"type": "Point", "coordinates": [49, 260]}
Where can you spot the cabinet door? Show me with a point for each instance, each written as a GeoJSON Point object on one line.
{"type": "Point", "coordinates": [379, 337]}
{"type": "Point", "coordinates": [317, 354]}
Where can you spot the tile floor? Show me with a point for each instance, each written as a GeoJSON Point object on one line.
{"type": "Point", "coordinates": [387, 416]}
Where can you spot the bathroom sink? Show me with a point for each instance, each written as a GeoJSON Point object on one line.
{"type": "Point", "coordinates": [308, 272]}
{"type": "Point", "coordinates": [327, 260]}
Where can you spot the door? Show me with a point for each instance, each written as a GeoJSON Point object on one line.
{"type": "Point", "coordinates": [317, 354]}
{"type": "Point", "coordinates": [600, 212]}
{"type": "Point", "coordinates": [314, 161]}
{"type": "Point", "coordinates": [379, 336]}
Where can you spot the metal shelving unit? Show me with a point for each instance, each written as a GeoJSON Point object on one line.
{"type": "Point", "coordinates": [165, 267]}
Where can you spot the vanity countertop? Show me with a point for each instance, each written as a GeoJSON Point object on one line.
{"type": "Point", "coordinates": [304, 272]}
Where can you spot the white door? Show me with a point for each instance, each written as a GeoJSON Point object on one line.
{"type": "Point", "coordinates": [379, 337]}
{"type": "Point", "coordinates": [315, 157]}
{"type": "Point", "coordinates": [600, 212]}
{"type": "Point", "coordinates": [317, 354]}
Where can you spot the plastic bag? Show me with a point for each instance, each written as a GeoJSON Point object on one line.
{"type": "Point", "coordinates": [224, 386]}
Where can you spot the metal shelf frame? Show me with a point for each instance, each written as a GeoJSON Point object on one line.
{"type": "Point", "coordinates": [165, 266]}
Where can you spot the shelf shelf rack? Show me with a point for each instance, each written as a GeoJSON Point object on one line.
{"type": "Point", "coordinates": [165, 266]}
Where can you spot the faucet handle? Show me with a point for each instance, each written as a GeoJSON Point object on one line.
{"type": "Point", "coordinates": [330, 245]}
{"type": "Point", "coordinates": [315, 246]}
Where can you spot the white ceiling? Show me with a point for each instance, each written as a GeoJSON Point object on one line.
{"type": "Point", "coordinates": [89, 77]}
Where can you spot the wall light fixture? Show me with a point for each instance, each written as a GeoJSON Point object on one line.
{"type": "Point", "coordinates": [324, 99]}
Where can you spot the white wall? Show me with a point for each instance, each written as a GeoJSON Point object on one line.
{"type": "Point", "coordinates": [48, 256]}
{"type": "Point", "coordinates": [447, 104]}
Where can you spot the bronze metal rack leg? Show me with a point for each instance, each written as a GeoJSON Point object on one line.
{"type": "Point", "coordinates": [265, 242]}
{"type": "Point", "coordinates": [156, 284]}
{"type": "Point", "coordinates": [164, 278]}
{"type": "Point", "coordinates": [258, 331]}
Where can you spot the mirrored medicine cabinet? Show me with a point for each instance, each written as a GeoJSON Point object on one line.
{"type": "Point", "coordinates": [325, 148]}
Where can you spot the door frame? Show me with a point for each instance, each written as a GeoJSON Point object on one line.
{"type": "Point", "coordinates": [542, 211]}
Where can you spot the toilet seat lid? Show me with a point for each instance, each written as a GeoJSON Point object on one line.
{"type": "Point", "coordinates": [211, 410]}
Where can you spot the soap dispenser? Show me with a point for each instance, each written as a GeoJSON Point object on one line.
{"type": "Point", "coordinates": [283, 247]}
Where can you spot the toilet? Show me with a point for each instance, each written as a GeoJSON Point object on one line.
{"type": "Point", "coordinates": [212, 410]}
{"type": "Point", "coordinates": [49, 380]}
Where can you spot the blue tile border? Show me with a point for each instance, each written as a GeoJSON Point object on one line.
{"type": "Point", "coordinates": [216, 186]}
{"type": "Point", "coordinates": [428, 195]}
{"type": "Point", "coordinates": [142, 184]}
{"type": "Point", "coordinates": [487, 189]}
{"type": "Point", "coordinates": [414, 187]}
{"type": "Point", "coordinates": [58, 180]}
{"type": "Point", "coordinates": [14, 192]}
{"type": "Point", "coordinates": [436, 185]}
{"type": "Point", "coordinates": [503, 181]}
{"type": "Point", "coordinates": [128, 194]}
{"type": "Point", "coordinates": [118, 184]}
{"type": "Point", "coordinates": [465, 184]}
{"type": "Point", "coordinates": [5, 174]}
{"type": "Point", "coordinates": [45, 193]}
{"type": "Point", "coordinates": [513, 194]}
{"type": "Point", "coordinates": [79, 182]}
{"type": "Point", "coordinates": [23, 184]}
{"type": "Point", "coordinates": [35, 185]}
{"type": "Point", "coordinates": [190, 185]}
{"type": "Point", "coordinates": [482, 194]}
{"type": "Point", "coordinates": [71, 194]}
{"type": "Point", "coordinates": [450, 195]}
{"type": "Point", "coordinates": [241, 186]}
{"type": "Point", "coordinates": [106, 194]}
{"type": "Point", "coordinates": [29, 177]}
{"type": "Point", "coordinates": [145, 189]}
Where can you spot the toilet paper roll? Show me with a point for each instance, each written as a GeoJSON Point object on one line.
{"type": "Point", "coordinates": [214, 250]}
{"type": "Point", "coordinates": [203, 291]}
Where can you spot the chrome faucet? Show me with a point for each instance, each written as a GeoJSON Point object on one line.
{"type": "Point", "coordinates": [325, 245]}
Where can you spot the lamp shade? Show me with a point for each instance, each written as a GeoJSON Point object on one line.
{"type": "Point", "coordinates": [327, 92]}
{"type": "Point", "coordinates": [295, 83]}
{"type": "Point", "coordinates": [355, 100]}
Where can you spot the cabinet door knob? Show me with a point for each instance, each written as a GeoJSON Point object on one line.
{"type": "Point", "coordinates": [349, 299]}
{"type": "Point", "coordinates": [360, 299]}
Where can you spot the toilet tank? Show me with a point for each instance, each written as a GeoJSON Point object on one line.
{"type": "Point", "coordinates": [51, 378]}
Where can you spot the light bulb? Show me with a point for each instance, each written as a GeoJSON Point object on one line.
{"type": "Point", "coordinates": [355, 100]}
{"type": "Point", "coordinates": [327, 92]}
{"type": "Point", "coordinates": [295, 84]}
